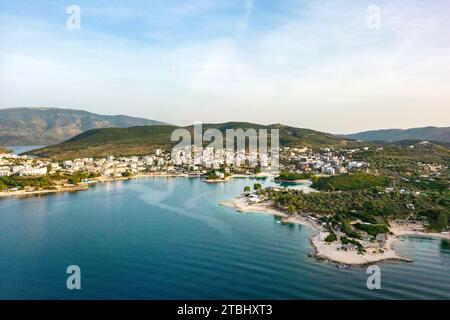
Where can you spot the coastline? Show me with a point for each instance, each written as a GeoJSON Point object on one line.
{"type": "Point", "coordinates": [301, 181]}
{"type": "Point", "coordinates": [84, 186]}
{"type": "Point", "coordinates": [21, 193]}
{"type": "Point", "coordinates": [332, 252]}
{"type": "Point", "coordinates": [322, 250]}
{"type": "Point", "coordinates": [408, 230]}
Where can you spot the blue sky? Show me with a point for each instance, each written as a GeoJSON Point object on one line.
{"type": "Point", "coordinates": [312, 64]}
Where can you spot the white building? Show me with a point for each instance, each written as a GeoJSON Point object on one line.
{"type": "Point", "coordinates": [5, 172]}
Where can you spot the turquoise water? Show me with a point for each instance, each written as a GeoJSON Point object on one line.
{"type": "Point", "coordinates": [168, 239]}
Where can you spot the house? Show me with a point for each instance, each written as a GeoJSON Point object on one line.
{"type": "Point", "coordinates": [328, 170]}
{"type": "Point", "coordinates": [354, 164]}
{"type": "Point", "coordinates": [349, 247]}
{"type": "Point", "coordinates": [253, 198]}
{"type": "Point", "coordinates": [220, 175]}
{"type": "Point", "coordinates": [4, 172]}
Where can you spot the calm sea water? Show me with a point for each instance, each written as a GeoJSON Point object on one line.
{"type": "Point", "coordinates": [21, 149]}
{"type": "Point", "coordinates": [168, 239]}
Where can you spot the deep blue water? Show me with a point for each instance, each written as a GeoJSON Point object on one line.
{"type": "Point", "coordinates": [168, 239]}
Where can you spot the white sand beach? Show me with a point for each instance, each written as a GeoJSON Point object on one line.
{"type": "Point", "coordinates": [333, 251]}
{"type": "Point", "coordinates": [413, 229]}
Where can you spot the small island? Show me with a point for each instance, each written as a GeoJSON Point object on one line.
{"type": "Point", "coordinates": [294, 177]}
{"type": "Point", "coordinates": [216, 176]}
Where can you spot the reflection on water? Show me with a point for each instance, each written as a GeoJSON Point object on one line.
{"type": "Point", "coordinates": [445, 244]}
{"type": "Point", "coordinates": [169, 239]}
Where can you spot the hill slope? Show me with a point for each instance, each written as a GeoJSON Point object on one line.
{"type": "Point", "coordinates": [391, 135]}
{"type": "Point", "coordinates": [143, 140]}
{"type": "Point", "coordinates": [45, 126]}
{"type": "Point", "coordinates": [3, 150]}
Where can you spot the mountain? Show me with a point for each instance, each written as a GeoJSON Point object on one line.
{"type": "Point", "coordinates": [46, 126]}
{"type": "Point", "coordinates": [391, 135]}
{"type": "Point", "coordinates": [142, 140]}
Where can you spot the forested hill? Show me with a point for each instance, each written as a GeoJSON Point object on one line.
{"type": "Point", "coordinates": [142, 140]}
{"type": "Point", "coordinates": [391, 135]}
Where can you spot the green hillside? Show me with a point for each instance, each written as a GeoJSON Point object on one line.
{"type": "Point", "coordinates": [391, 135]}
{"type": "Point", "coordinates": [143, 140]}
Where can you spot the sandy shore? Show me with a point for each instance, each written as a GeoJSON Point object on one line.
{"type": "Point", "coordinates": [322, 250]}
{"type": "Point", "coordinates": [415, 230]}
{"type": "Point", "coordinates": [85, 186]}
{"type": "Point", "coordinates": [241, 205]}
{"type": "Point", "coordinates": [333, 252]}
{"type": "Point", "coordinates": [113, 179]}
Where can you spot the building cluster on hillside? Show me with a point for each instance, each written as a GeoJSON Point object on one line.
{"type": "Point", "coordinates": [158, 162]}
{"type": "Point", "coordinates": [239, 161]}
{"type": "Point", "coordinates": [326, 161]}
{"type": "Point", "coordinates": [11, 164]}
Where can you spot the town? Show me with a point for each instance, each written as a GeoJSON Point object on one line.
{"type": "Point", "coordinates": [326, 162]}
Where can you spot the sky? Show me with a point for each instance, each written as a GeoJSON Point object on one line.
{"type": "Point", "coordinates": [335, 66]}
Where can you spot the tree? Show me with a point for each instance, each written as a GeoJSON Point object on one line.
{"type": "Point", "coordinates": [291, 209]}
{"type": "Point", "coordinates": [247, 189]}
{"type": "Point", "coordinates": [331, 237]}
{"type": "Point", "coordinates": [442, 221]}
{"type": "Point", "coordinates": [257, 186]}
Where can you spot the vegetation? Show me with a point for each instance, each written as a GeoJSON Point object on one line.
{"type": "Point", "coordinates": [442, 221]}
{"type": "Point", "coordinates": [437, 217]}
{"type": "Point", "coordinates": [350, 181]}
{"type": "Point", "coordinates": [331, 237]}
{"type": "Point", "coordinates": [291, 209]}
{"type": "Point", "coordinates": [127, 174]}
{"type": "Point", "coordinates": [247, 189]}
{"type": "Point", "coordinates": [257, 186]}
{"type": "Point", "coordinates": [345, 240]}
{"type": "Point", "coordinates": [398, 161]}
{"type": "Point", "coordinates": [134, 141]}
{"type": "Point", "coordinates": [369, 205]}
{"type": "Point", "coordinates": [372, 229]}
{"type": "Point", "coordinates": [213, 174]}
{"type": "Point", "coordinates": [426, 133]}
{"type": "Point", "coordinates": [292, 176]}
{"type": "Point", "coordinates": [48, 181]}
{"type": "Point", "coordinates": [142, 140]}
{"type": "Point", "coordinates": [348, 230]}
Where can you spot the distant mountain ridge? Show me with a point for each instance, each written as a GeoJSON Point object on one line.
{"type": "Point", "coordinates": [441, 134]}
{"type": "Point", "coordinates": [143, 140]}
{"type": "Point", "coordinates": [46, 126]}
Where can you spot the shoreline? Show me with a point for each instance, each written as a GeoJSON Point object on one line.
{"type": "Point", "coordinates": [21, 193]}
{"type": "Point", "coordinates": [301, 181]}
{"type": "Point", "coordinates": [332, 252]}
{"type": "Point", "coordinates": [84, 186]}
{"type": "Point", "coordinates": [406, 231]}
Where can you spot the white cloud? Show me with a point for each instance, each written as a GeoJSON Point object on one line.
{"type": "Point", "coordinates": [321, 68]}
